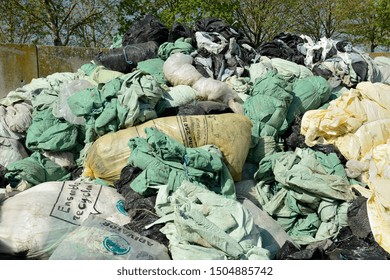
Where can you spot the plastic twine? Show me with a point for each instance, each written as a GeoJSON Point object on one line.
{"type": "Point", "coordinates": [128, 61]}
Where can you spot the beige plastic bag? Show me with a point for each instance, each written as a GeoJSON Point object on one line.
{"type": "Point", "coordinates": [231, 133]}
{"type": "Point", "coordinates": [178, 70]}
{"type": "Point", "coordinates": [378, 209]}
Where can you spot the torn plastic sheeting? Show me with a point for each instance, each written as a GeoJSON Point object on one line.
{"type": "Point", "coordinates": [308, 200]}
{"type": "Point", "coordinates": [149, 28]}
{"type": "Point", "coordinates": [97, 74]}
{"type": "Point", "coordinates": [347, 65]}
{"type": "Point", "coordinates": [61, 108]}
{"type": "Point", "coordinates": [11, 150]}
{"type": "Point", "coordinates": [46, 213]}
{"type": "Point", "coordinates": [139, 208]}
{"type": "Point", "coordinates": [229, 132]}
{"type": "Point", "coordinates": [226, 231]}
{"type": "Point", "coordinates": [308, 93]}
{"type": "Point", "coordinates": [182, 45]}
{"type": "Point", "coordinates": [48, 133]}
{"type": "Point", "coordinates": [166, 161]}
{"type": "Point", "coordinates": [175, 97]}
{"type": "Point", "coordinates": [383, 64]}
{"type": "Point", "coordinates": [222, 51]}
{"type": "Point", "coordinates": [204, 108]}
{"type": "Point", "coordinates": [15, 120]}
{"type": "Point", "coordinates": [272, 234]}
{"type": "Point", "coordinates": [289, 70]}
{"type": "Point", "coordinates": [139, 94]}
{"type": "Point", "coordinates": [285, 46]}
{"type": "Point", "coordinates": [268, 104]}
{"type": "Point", "coordinates": [51, 84]}
{"type": "Point", "coordinates": [153, 67]}
{"type": "Point", "coordinates": [3, 181]}
{"type": "Point", "coordinates": [219, 58]}
{"type": "Point", "coordinates": [35, 169]}
{"type": "Point", "coordinates": [197, 108]}
{"type": "Point", "coordinates": [120, 103]}
{"type": "Point", "coordinates": [378, 206]}
{"type": "Point", "coordinates": [327, 183]}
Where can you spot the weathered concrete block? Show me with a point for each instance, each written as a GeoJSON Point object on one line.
{"type": "Point", "coordinates": [63, 59]}
{"type": "Point", "coordinates": [18, 66]}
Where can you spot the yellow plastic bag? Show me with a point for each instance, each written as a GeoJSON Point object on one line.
{"type": "Point", "coordinates": [378, 209]}
{"type": "Point", "coordinates": [231, 133]}
{"type": "Point", "coordinates": [355, 122]}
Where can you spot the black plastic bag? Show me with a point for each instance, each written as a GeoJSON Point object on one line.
{"type": "Point", "coordinates": [139, 208]}
{"type": "Point", "coordinates": [180, 30]}
{"type": "Point", "coordinates": [3, 180]}
{"type": "Point", "coordinates": [147, 29]}
{"type": "Point", "coordinates": [126, 58]}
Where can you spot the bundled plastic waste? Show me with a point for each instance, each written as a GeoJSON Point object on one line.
{"type": "Point", "coordinates": [194, 144]}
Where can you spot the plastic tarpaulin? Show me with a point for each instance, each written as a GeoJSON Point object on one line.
{"type": "Point", "coordinates": [201, 224]}
{"type": "Point", "coordinates": [167, 161]}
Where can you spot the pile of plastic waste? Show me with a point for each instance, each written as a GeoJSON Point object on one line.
{"type": "Point", "coordinates": [194, 144]}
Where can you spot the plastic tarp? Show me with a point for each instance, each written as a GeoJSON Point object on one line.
{"type": "Point", "coordinates": [15, 119]}
{"type": "Point", "coordinates": [35, 169]}
{"type": "Point", "coordinates": [120, 103]}
{"type": "Point", "coordinates": [48, 133]}
{"type": "Point", "coordinates": [351, 121]}
{"type": "Point", "coordinates": [307, 192]}
{"type": "Point", "coordinates": [201, 224]}
{"type": "Point", "coordinates": [182, 45]}
{"type": "Point", "coordinates": [167, 161]}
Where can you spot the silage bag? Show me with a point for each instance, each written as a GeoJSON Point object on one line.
{"type": "Point", "coordinates": [100, 239]}
{"type": "Point", "coordinates": [35, 221]}
{"type": "Point", "coordinates": [231, 133]}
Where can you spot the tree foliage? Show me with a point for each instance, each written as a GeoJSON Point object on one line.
{"type": "Point", "coordinates": [319, 18]}
{"type": "Point", "coordinates": [368, 22]}
{"type": "Point", "coordinates": [94, 23]}
{"type": "Point", "coordinates": [57, 22]}
{"type": "Point", "coordinates": [15, 26]}
{"type": "Point", "coordinates": [261, 20]}
{"type": "Point", "coordinates": [170, 11]}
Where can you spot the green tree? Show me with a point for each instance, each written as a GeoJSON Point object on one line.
{"type": "Point", "coordinates": [261, 20]}
{"type": "Point", "coordinates": [170, 11]}
{"type": "Point", "coordinates": [319, 18]}
{"type": "Point", "coordinates": [15, 27]}
{"type": "Point", "coordinates": [368, 23]}
{"type": "Point", "coordinates": [59, 22]}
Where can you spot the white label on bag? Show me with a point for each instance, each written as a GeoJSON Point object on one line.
{"type": "Point", "coordinates": [76, 201]}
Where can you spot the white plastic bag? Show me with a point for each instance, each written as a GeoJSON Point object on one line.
{"type": "Point", "coordinates": [36, 220]}
{"type": "Point", "coordinates": [100, 239]}
{"type": "Point", "coordinates": [61, 108]}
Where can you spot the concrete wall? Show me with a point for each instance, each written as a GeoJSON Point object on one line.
{"type": "Point", "coordinates": [19, 64]}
